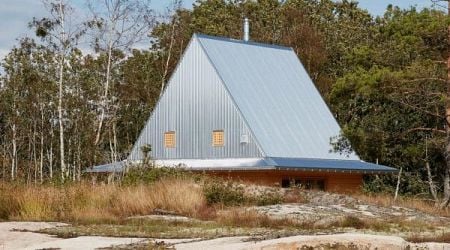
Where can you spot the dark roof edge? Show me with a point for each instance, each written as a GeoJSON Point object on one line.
{"type": "Point", "coordinates": [340, 170]}
{"type": "Point", "coordinates": [227, 39]}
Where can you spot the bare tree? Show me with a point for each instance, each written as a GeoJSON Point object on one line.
{"type": "Point", "coordinates": [430, 177]}
{"type": "Point", "coordinates": [61, 33]}
{"type": "Point", "coordinates": [397, 188]}
{"type": "Point", "coordinates": [117, 24]}
{"type": "Point", "coordinates": [171, 14]}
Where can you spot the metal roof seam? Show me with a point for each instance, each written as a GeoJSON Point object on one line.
{"type": "Point", "coordinates": [232, 98]}
{"type": "Point", "coordinates": [159, 100]}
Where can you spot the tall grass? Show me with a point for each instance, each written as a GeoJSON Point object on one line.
{"type": "Point", "coordinates": [385, 200]}
{"type": "Point", "coordinates": [83, 202]}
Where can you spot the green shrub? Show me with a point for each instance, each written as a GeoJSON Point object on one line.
{"type": "Point", "coordinates": [146, 174]}
{"type": "Point", "coordinates": [268, 198]}
{"type": "Point", "coordinates": [219, 192]}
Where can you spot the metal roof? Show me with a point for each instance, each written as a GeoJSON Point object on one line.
{"type": "Point", "coordinates": [277, 100]}
{"type": "Point", "coordinates": [194, 104]}
{"type": "Point", "coordinates": [276, 97]}
{"type": "Point", "coordinates": [108, 168]}
{"type": "Point", "coordinates": [328, 165]}
{"type": "Point", "coordinates": [301, 164]}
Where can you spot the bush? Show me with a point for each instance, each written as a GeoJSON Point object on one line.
{"type": "Point", "coordinates": [145, 174]}
{"type": "Point", "coordinates": [225, 193]}
{"type": "Point", "coordinates": [230, 194]}
{"type": "Point", "coordinates": [268, 198]}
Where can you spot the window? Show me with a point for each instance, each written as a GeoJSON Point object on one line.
{"type": "Point", "coordinates": [304, 183]}
{"type": "Point", "coordinates": [285, 183]}
{"type": "Point", "coordinates": [169, 139]}
{"type": "Point", "coordinates": [217, 138]}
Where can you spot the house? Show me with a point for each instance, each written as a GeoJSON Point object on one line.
{"type": "Point", "coordinates": [241, 109]}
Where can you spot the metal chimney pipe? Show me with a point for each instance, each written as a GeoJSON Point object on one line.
{"type": "Point", "coordinates": [246, 30]}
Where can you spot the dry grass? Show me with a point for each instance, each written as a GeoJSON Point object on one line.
{"type": "Point", "coordinates": [443, 237]}
{"type": "Point", "coordinates": [407, 202]}
{"type": "Point", "coordinates": [250, 218]}
{"type": "Point", "coordinates": [83, 202]}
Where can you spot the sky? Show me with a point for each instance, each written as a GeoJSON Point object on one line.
{"type": "Point", "coordinates": [15, 15]}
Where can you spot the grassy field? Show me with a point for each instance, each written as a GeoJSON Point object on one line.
{"type": "Point", "coordinates": [214, 209]}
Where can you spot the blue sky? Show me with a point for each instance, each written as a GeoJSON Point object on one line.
{"type": "Point", "coordinates": [15, 15]}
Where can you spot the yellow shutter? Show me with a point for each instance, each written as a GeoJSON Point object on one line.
{"type": "Point", "coordinates": [169, 139]}
{"type": "Point", "coordinates": [218, 138]}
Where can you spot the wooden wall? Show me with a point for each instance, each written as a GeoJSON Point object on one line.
{"type": "Point", "coordinates": [335, 182]}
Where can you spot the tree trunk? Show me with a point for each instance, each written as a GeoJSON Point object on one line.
{"type": "Point", "coordinates": [114, 128]}
{"type": "Point", "coordinates": [41, 149]}
{"type": "Point", "coordinates": [34, 152]}
{"type": "Point", "coordinates": [60, 94]}
{"type": "Point", "coordinates": [166, 66]}
{"type": "Point", "coordinates": [14, 153]}
{"type": "Point", "coordinates": [79, 161]}
{"type": "Point", "coordinates": [111, 146]}
{"type": "Point", "coordinates": [50, 153]}
{"type": "Point", "coordinates": [430, 182]}
{"type": "Point", "coordinates": [104, 102]}
{"type": "Point", "coordinates": [398, 183]}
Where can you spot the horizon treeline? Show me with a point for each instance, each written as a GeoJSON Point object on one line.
{"type": "Point", "coordinates": [64, 108]}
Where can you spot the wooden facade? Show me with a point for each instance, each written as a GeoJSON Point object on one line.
{"type": "Point", "coordinates": [328, 181]}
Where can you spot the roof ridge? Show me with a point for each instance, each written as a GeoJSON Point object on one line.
{"type": "Point", "coordinates": [228, 39]}
{"type": "Point", "coordinates": [317, 159]}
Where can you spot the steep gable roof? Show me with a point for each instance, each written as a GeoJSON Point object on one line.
{"type": "Point", "coordinates": [276, 97]}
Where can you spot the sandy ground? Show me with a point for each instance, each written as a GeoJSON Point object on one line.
{"type": "Point", "coordinates": [351, 240]}
{"type": "Point", "coordinates": [10, 238]}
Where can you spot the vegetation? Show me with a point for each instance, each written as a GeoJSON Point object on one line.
{"type": "Point", "coordinates": [384, 77]}
{"type": "Point", "coordinates": [141, 191]}
{"type": "Point", "coordinates": [214, 209]}
{"type": "Point", "coordinates": [83, 202]}
{"type": "Point", "coordinates": [440, 237]}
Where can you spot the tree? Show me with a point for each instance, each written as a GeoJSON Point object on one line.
{"type": "Point", "coordinates": [61, 34]}
{"type": "Point", "coordinates": [117, 25]}
{"type": "Point", "coordinates": [27, 95]}
{"type": "Point", "coordinates": [392, 99]}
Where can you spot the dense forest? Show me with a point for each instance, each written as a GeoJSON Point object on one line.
{"type": "Point", "coordinates": [65, 108]}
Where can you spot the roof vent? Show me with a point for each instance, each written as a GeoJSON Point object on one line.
{"type": "Point", "coordinates": [246, 30]}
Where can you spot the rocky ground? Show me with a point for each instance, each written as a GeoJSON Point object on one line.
{"type": "Point", "coordinates": [381, 228]}
{"type": "Point", "coordinates": [15, 235]}
{"type": "Point", "coordinates": [18, 235]}
{"type": "Point", "coordinates": [336, 241]}
{"type": "Point", "coordinates": [321, 206]}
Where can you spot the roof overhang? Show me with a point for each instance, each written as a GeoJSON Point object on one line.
{"type": "Point", "coordinates": [258, 164]}
{"type": "Point", "coordinates": [329, 165]}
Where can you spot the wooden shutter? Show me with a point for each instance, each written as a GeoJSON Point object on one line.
{"type": "Point", "coordinates": [169, 139]}
{"type": "Point", "coordinates": [218, 138]}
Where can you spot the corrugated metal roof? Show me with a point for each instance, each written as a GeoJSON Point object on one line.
{"type": "Point", "coordinates": [194, 104]}
{"type": "Point", "coordinates": [276, 97]}
{"type": "Point", "coordinates": [301, 164]}
{"type": "Point", "coordinates": [108, 168]}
